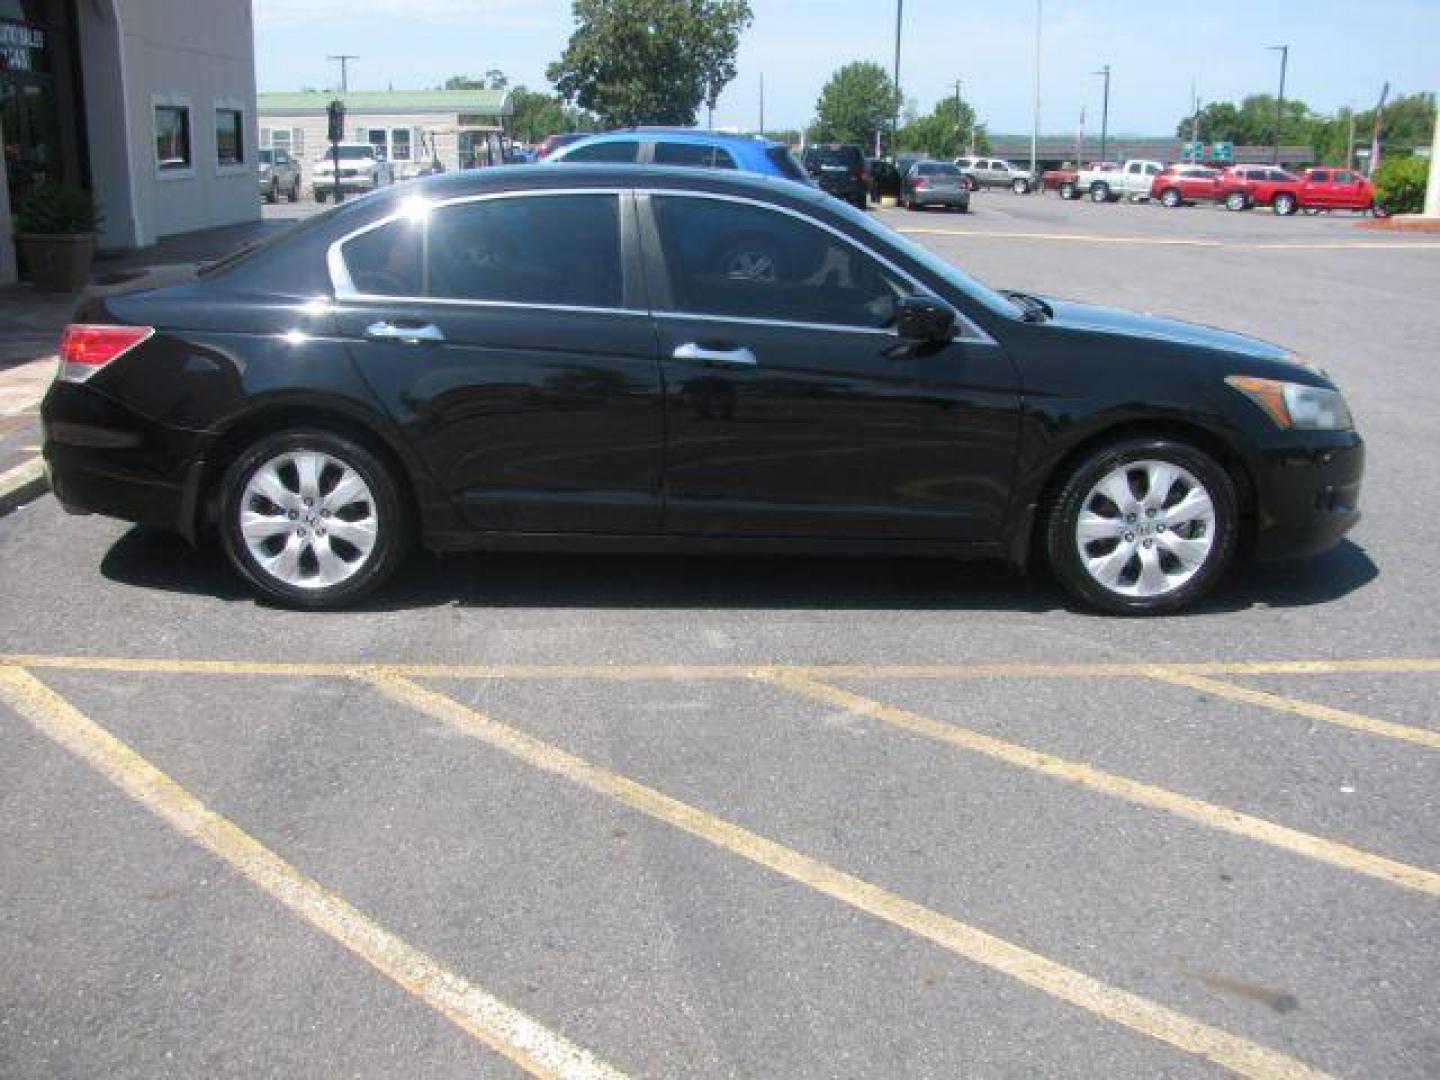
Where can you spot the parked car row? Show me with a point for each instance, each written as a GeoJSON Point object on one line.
{"type": "Point", "coordinates": [1240, 187]}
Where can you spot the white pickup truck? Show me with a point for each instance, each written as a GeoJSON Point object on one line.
{"type": "Point", "coordinates": [1131, 181]}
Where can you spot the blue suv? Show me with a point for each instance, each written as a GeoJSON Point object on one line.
{"type": "Point", "coordinates": [686, 146]}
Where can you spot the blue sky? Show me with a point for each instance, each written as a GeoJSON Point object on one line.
{"type": "Point", "coordinates": [1341, 51]}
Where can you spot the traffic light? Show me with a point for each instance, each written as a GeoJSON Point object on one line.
{"type": "Point", "coordinates": [335, 114]}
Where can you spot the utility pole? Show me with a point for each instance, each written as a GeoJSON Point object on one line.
{"type": "Point", "coordinates": [1350, 141]}
{"type": "Point", "coordinates": [1284, 51]}
{"type": "Point", "coordinates": [762, 104]}
{"type": "Point", "coordinates": [344, 59]}
{"type": "Point", "coordinates": [959, 127]}
{"type": "Point", "coordinates": [1104, 111]}
{"type": "Point", "coordinates": [899, 97]}
{"type": "Point", "coordinates": [1035, 123]}
{"type": "Point", "coordinates": [1195, 120]}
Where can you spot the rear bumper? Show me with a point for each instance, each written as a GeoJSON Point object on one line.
{"type": "Point", "coordinates": [941, 198]}
{"type": "Point", "coordinates": [102, 458]}
{"type": "Point", "coordinates": [1312, 496]}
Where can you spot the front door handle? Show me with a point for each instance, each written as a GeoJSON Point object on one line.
{"type": "Point", "coordinates": [739, 356]}
{"type": "Point", "coordinates": [405, 333]}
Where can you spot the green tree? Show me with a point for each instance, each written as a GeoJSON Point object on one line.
{"type": "Point", "coordinates": [650, 61]}
{"type": "Point", "coordinates": [941, 134]}
{"type": "Point", "coordinates": [859, 100]}
{"type": "Point", "coordinates": [537, 114]}
{"type": "Point", "coordinates": [495, 79]}
{"type": "Point", "coordinates": [463, 82]}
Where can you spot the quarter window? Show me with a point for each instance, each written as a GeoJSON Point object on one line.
{"type": "Point", "coordinates": [561, 250]}
{"type": "Point", "coordinates": [172, 137]}
{"type": "Point", "coordinates": [736, 260]}
{"type": "Point", "coordinates": [388, 261]}
{"type": "Point", "coordinates": [229, 137]}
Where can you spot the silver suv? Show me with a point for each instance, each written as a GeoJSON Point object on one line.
{"type": "Point", "coordinates": [279, 174]}
{"type": "Point", "coordinates": [983, 172]}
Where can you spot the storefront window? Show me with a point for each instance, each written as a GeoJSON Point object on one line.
{"type": "Point", "coordinates": [229, 136]}
{"type": "Point", "coordinates": [400, 144]}
{"type": "Point", "coordinates": [172, 137]}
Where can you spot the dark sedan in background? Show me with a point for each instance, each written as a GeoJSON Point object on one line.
{"type": "Point", "coordinates": [642, 359]}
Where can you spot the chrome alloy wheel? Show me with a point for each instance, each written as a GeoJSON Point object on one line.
{"type": "Point", "coordinates": [308, 519]}
{"type": "Point", "coordinates": [1145, 529]}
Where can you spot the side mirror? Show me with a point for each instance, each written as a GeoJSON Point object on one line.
{"type": "Point", "coordinates": [924, 318]}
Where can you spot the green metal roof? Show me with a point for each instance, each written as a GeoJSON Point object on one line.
{"type": "Point", "coordinates": [470, 102]}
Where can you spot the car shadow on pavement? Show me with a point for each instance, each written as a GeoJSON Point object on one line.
{"type": "Point", "coordinates": [156, 561]}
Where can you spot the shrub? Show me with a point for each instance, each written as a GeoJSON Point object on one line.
{"type": "Point", "coordinates": [1400, 185]}
{"type": "Point", "coordinates": [57, 208]}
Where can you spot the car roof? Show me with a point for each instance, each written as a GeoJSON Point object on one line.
{"type": "Point", "coordinates": [681, 135]}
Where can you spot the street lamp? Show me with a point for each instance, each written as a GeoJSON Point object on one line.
{"type": "Point", "coordinates": [1035, 124]}
{"type": "Point", "coordinates": [959, 126]}
{"type": "Point", "coordinates": [899, 97]}
{"type": "Point", "coordinates": [1284, 51]}
{"type": "Point", "coordinates": [1104, 112]}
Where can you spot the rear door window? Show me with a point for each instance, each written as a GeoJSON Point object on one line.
{"type": "Point", "coordinates": [558, 250]}
{"type": "Point", "coordinates": [696, 154]}
{"type": "Point", "coordinates": [616, 151]}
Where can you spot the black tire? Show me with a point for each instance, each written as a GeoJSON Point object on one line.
{"type": "Point", "coordinates": [1237, 201]}
{"type": "Point", "coordinates": [1063, 517]}
{"type": "Point", "coordinates": [272, 193]}
{"type": "Point", "coordinates": [1100, 192]}
{"type": "Point", "coordinates": [1170, 198]}
{"type": "Point", "coordinates": [387, 505]}
{"type": "Point", "coordinates": [1068, 190]}
{"type": "Point", "coordinates": [1285, 204]}
{"type": "Point", "coordinates": [294, 195]}
{"type": "Point", "coordinates": [1020, 187]}
{"type": "Point", "coordinates": [1378, 210]}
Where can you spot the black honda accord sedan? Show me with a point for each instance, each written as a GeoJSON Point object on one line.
{"type": "Point", "coordinates": [632, 359]}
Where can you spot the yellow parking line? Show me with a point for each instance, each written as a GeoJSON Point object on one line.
{"type": "Point", "coordinates": [1179, 241]}
{"type": "Point", "coordinates": [509, 1032]}
{"type": "Point", "coordinates": [1309, 710]}
{"type": "Point", "coordinates": [639, 672]}
{"type": "Point", "coordinates": [1210, 815]}
{"type": "Point", "coordinates": [1137, 1013]}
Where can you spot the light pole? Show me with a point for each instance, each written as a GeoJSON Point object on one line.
{"type": "Point", "coordinates": [344, 59]}
{"type": "Point", "coordinates": [1035, 124]}
{"type": "Point", "coordinates": [1284, 51]}
{"type": "Point", "coordinates": [1104, 111]}
{"type": "Point", "coordinates": [899, 97]}
{"type": "Point", "coordinates": [959, 127]}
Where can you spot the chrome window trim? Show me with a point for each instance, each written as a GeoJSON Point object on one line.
{"type": "Point", "coordinates": [524, 305]}
{"type": "Point", "coordinates": [968, 330]}
{"type": "Point", "coordinates": [785, 323]}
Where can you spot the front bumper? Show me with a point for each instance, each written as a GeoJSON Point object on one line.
{"type": "Point", "coordinates": [1310, 495]}
{"type": "Point", "coordinates": [103, 458]}
{"type": "Point", "coordinates": [347, 184]}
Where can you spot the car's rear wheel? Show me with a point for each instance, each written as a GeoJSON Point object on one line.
{"type": "Point", "coordinates": [1143, 526]}
{"type": "Point", "coordinates": [1069, 191]}
{"type": "Point", "coordinates": [1170, 198]}
{"type": "Point", "coordinates": [312, 519]}
{"type": "Point", "coordinates": [1285, 204]}
{"type": "Point", "coordinates": [1237, 200]}
{"type": "Point", "coordinates": [1020, 187]}
{"type": "Point", "coordinates": [1100, 193]}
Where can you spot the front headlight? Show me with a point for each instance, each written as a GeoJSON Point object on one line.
{"type": "Point", "coordinates": [1295, 405]}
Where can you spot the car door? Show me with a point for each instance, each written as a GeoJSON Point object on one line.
{"type": "Point", "coordinates": [792, 407]}
{"type": "Point", "coordinates": [506, 336]}
{"type": "Point", "coordinates": [1316, 191]}
{"type": "Point", "coordinates": [1348, 192]}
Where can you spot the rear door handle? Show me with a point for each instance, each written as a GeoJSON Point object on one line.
{"type": "Point", "coordinates": [407, 334]}
{"type": "Point", "coordinates": [739, 356]}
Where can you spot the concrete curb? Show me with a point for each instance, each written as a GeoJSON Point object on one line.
{"type": "Point", "coordinates": [22, 484]}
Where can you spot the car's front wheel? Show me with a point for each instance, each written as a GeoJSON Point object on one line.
{"type": "Point", "coordinates": [1237, 201]}
{"type": "Point", "coordinates": [312, 519]}
{"type": "Point", "coordinates": [1285, 204]}
{"type": "Point", "coordinates": [1068, 191]}
{"type": "Point", "coordinates": [1170, 198]}
{"type": "Point", "coordinates": [1020, 186]}
{"type": "Point", "coordinates": [1143, 526]}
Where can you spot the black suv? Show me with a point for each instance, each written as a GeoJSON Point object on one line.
{"type": "Point", "coordinates": [839, 169]}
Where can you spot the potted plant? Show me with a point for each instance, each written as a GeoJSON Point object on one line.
{"type": "Point", "coordinates": [55, 232]}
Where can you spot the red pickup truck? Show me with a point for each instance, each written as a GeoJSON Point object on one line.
{"type": "Point", "coordinates": [1317, 189]}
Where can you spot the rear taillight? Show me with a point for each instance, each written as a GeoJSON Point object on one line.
{"type": "Point", "coordinates": [921, 182]}
{"type": "Point", "coordinates": [85, 348]}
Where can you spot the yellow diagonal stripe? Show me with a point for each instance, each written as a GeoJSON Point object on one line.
{"type": "Point", "coordinates": [509, 1032]}
{"type": "Point", "coordinates": [1211, 815]}
{"type": "Point", "coordinates": [1309, 710]}
{"type": "Point", "coordinates": [1137, 1013]}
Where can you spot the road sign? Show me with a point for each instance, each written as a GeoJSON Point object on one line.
{"type": "Point", "coordinates": [1192, 151]}
{"type": "Point", "coordinates": [1222, 152]}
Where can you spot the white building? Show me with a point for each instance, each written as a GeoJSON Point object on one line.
{"type": "Point", "coordinates": [149, 103]}
{"type": "Point", "coordinates": [457, 128]}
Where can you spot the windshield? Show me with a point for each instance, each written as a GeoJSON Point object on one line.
{"type": "Point", "coordinates": [970, 286]}
{"type": "Point", "coordinates": [937, 170]}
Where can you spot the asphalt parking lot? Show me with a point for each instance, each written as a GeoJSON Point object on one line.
{"type": "Point", "coordinates": [538, 815]}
